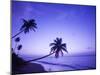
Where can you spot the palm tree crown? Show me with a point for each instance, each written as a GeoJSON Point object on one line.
{"type": "Point", "coordinates": [28, 25]}
{"type": "Point", "coordinates": [58, 47]}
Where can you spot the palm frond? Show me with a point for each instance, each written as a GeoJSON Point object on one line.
{"type": "Point", "coordinates": [25, 21]}
{"type": "Point", "coordinates": [32, 20]}
{"type": "Point", "coordinates": [34, 25]}
{"type": "Point", "coordinates": [64, 49]}
{"type": "Point", "coordinates": [26, 30]}
{"type": "Point", "coordinates": [53, 49]}
{"type": "Point", "coordinates": [60, 39]}
{"type": "Point", "coordinates": [32, 28]}
{"type": "Point", "coordinates": [63, 45]}
{"type": "Point", "coordinates": [52, 44]}
{"type": "Point", "coordinates": [57, 39]}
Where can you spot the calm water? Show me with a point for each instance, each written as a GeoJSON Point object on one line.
{"type": "Point", "coordinates": [67, 63]}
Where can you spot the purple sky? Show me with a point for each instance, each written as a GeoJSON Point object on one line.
{"type": "Point", "coordinates": [75, 24]}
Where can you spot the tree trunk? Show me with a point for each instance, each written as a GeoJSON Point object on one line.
{"type": "Point", "coordinates": [17, 34]}
{"type": "Point", "coordinates": [40, 58]}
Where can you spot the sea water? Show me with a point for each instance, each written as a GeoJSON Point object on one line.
{"type": "Point", "coordinates": [67, 63]}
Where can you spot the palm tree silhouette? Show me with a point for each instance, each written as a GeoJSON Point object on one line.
{"type": "Point", "coordinates": [27, 26]}
{"type": "Point", "coordinates": [57, 48]}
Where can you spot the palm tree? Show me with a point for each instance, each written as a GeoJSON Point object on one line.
{"type": "Point", "coordinates": [27, 26]}
{"type": "Point", "coordinates": [57, 48]}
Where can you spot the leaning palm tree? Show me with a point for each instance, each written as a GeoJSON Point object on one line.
{"type": "Point", "coordinates": [27, 26]}
{"type": "Point", "coordinates": [57, 48]}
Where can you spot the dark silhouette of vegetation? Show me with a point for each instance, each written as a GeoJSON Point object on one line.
{"type": "Point", "coordinates": [16, 60]}
{"type": "Point", "coordinates": [16, 40]}
{"type": "Point", "coordinates": [57, 48]}
{"type": "Point", "coordinates": [20, 67]}
{"type": "Point", "coordinates": [19, 48]}
{"type": "Point", "coordinates": [27, 26]}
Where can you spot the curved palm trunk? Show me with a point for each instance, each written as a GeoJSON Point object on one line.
{"type": "Point", "coordinates": [17, 34]}
{"type": "Point", "coordinates": [40, 58]}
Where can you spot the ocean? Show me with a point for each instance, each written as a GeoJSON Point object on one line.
{"type": "Point", "coordinates": [67, 63]}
